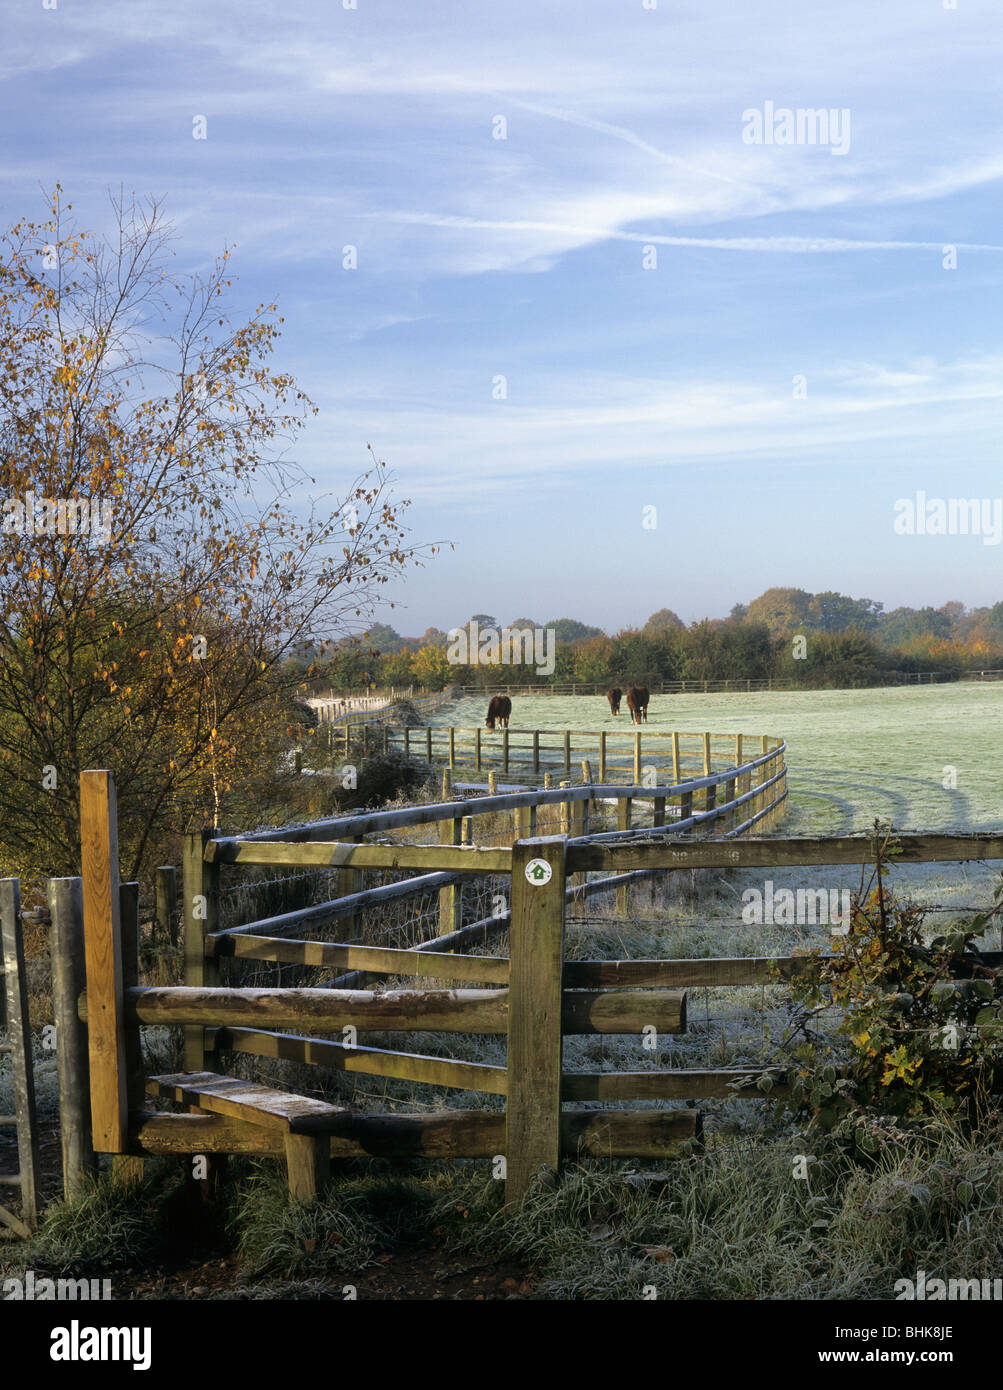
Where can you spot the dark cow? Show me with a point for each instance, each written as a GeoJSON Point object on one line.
{"type": "Point", "coordinates": [637, 703]}
{"type": "Point", "coordinates": [614, 697]}
{"type": "Point", "coordinates": [500, 708]}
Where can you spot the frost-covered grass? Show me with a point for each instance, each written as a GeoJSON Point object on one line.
{"type": "Point", "coordinates": [852, 754]}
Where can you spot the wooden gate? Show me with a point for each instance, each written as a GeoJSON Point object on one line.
{"type": "Point", "coordinates": [17, 1044]}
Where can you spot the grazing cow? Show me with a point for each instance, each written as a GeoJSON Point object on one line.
{"type": "Point", "coordinates": [500, 708]}
{"type": "Point", "coordinates": [614, 697]}
{"type": "Point", "coordinates": [637, 703]}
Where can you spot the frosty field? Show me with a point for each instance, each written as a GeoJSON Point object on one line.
{"type": "Point", "coordinates": [852, 755]}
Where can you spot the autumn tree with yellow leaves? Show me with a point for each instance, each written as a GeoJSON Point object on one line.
{"type": "Point", "coordinates": [154, 575]}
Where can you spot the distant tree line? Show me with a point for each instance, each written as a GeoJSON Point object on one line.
{"type": "Point", "coordinates": [815, 640]}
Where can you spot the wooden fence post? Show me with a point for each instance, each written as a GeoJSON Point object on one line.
{"type": "Point", "coordinates": [588, 807]}
{"type": "Point", "coordinates": [165, 928]}
{"type": "Point", "coordinates": [19, 1030]}
{"type": "Point", "coordinates": [103, 956]}
{"type": "Point", "coordinates": [200, 890]}
{"type": "Point", "coordinates": [66, 952]}
{"type": "Point", "coordinates": [535, 1035]}
{"type": "Point", "coordinates": [763, 775]}
{"type": "Point", "coordinates": [451, 897]}
{"type": "Point", "coordinates": [126, 1168]}
{"type": "Point", "coordinates": [624, 817]}
{"type": "Point", "coordinates": [675, 757]}
{"type": "Point", "coordinates": [637, 758]}
{"type": "Point", "coordinates": [730, 820]}
{"type": "Point", "coordinates": [602, 756]}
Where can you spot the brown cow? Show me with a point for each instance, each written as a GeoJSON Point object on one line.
{"type": "Point", "coordinates": [614, 697]}
{"type": "Point", "coordinates": [637, 703]}
{"type": "Point", "coordinates": [500, 708]}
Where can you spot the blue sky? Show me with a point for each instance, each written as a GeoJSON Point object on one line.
{"type": "Point", "coordinates": [522, 257]}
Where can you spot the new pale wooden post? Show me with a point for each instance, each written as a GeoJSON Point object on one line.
{"type": "Point", "coordinates": [103, 956]}
{"type": "Point", "coordinates": [533, 1104]}
{"type": "Point", "coordinates": [66, 952]}
{"type": "Point", "coordinates": [451, 897]}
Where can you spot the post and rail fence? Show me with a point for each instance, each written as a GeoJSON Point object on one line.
{"type": "Point", "coordinates": [636, 755]}
{"type": "Point", "coordinates": [692, 685]}
{"type": "Point", "coordinates": [533, 997]}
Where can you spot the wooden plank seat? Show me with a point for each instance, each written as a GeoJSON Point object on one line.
{"type": "Point", "coordinates": [306, 1124]}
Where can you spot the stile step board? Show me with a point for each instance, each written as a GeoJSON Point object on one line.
{"type": "Point", "coordinates": [247, 1100]}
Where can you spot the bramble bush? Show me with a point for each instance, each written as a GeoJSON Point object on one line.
{"type": "Point", "coordinates": [919, 1035]}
